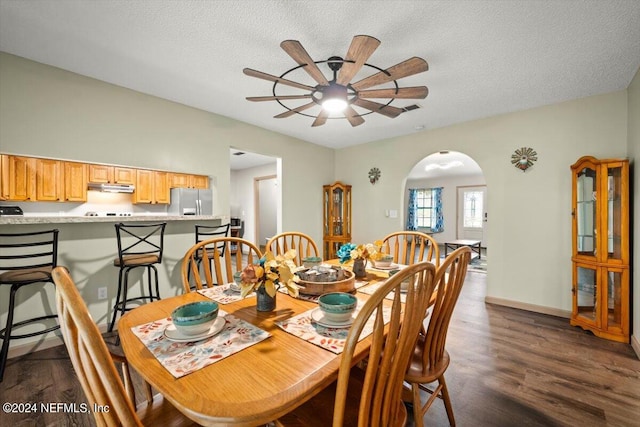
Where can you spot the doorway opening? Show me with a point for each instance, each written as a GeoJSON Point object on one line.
{"type": "Point", "coordinates": [458, 201]}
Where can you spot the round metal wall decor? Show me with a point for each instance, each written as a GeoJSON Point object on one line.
{"type": "Point", "coordinates": [523, 158]}
{"type": "Point", "coordinates": [374, 175]}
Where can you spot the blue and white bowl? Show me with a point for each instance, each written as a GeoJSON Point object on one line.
{"type": "Point", "coordinates": [337, 306]}
{"type": "Point", "coordinates": [195, 318]}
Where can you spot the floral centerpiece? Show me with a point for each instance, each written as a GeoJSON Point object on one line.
{"type": "Point", "coordinates": [271, 272]}
{"type": "Point", "coordinates": [365, 252]}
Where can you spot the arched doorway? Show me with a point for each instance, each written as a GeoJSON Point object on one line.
{"type": "Point", "coordinates": [452, 191]}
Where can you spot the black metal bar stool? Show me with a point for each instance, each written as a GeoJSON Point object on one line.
{"type": "Point", "coordinates": [25, 259]}
{"type": "Point", "coordinates": [139, 246]}
{"type": "Point", "coordinates": [206, 232]}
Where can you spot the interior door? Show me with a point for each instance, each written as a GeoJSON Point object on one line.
{"type": "Point", "coordinates": [471, 214]}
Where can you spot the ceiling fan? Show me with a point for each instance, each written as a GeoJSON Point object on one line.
{"type": "Point", "coordinates": [338, 95]}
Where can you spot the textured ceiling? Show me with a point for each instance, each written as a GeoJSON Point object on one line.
{"type": "Point", "coordinates": [485, 57]}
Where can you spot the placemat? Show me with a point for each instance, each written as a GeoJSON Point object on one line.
{"type": "Point", "coordinates": [371, 289]}
{"type": "Point", "coordinates": [332, 339]}
{"type": "Point", "coordinates": [181, 359]}
{"type": "Point", "coordinates": [223, 294]}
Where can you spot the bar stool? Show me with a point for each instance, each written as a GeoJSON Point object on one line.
{"type": "Point", "coordinates": [26, 259]}
{"type": "Point", "coordinates": [144, 250]}
{"type": "Point", "coordinates": [207, 232]}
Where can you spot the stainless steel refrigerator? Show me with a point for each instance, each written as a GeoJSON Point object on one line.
{"type": "Point", "coordinates": [191, 201]}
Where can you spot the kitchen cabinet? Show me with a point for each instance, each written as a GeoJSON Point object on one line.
{"type": "Point", "coordinates": [337, 217]}
{"type": "Point", "coordinates": [106, 174]}
{"type": "Point", "coordinates": [76, 177]}
{"type": "Point", "coordinates": [4, 177]}
{"type": "Point", "coordinates": [49, 180]}
{"type": "Point", "coordinates": [600, 247]}
{"type": "Point", "coordinates": [151, 187]}
{"type": "Point", "coordinates": [22, 178]}
{"type": "Point", "coordinates": [184, 180]}
{"type": "Point", "coordinates": [199, 181]}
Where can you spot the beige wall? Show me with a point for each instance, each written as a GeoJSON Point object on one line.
{"type": "Point", "coordinates": [529, 236]}
{"type": "Point", "coordinates": [45, 111]}
{"type": "Point", "coordinates": [634, 154]}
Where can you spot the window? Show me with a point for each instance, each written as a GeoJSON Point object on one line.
{"type": "Point", "coordinates": [425, 212]}
{"type": "Point", "coordinates": [472, 210]}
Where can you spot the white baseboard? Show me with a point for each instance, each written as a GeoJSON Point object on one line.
{"type": "Point", "coordinates": [52, 339]}
{"type": "Point", "coordinates": [529, 307]}
{"type": "Point", "coordinates": [635, 344]}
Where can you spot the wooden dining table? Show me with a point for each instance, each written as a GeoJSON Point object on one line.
{"type": "Point", "coordinates": [253, 386]}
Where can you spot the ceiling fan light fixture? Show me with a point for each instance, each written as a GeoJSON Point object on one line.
{"type": "Point", "coordinates": [334, 98]}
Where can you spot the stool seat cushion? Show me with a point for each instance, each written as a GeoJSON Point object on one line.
{"type": "Point", "coordinates": [27, 275]}
{"type": "Point", "coordinates": [143, 259]}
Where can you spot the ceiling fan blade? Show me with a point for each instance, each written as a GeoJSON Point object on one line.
{"type": "Point", "coordinates": [293, 111]}
{"type": "Point", "coordinates": [277, 98]}
{"type": "Point", "coordinates": [385, 110]}
{"type": "Point", "coordinates": [321, 119]}
{"type": "Point", "coordinates": [401, 93]}
{"type": "Point", "coordinates": [359, 51]}
{"type": "Point", "coordinates": [406, 68]}
{"type": "Point", "coordinates": [297, 52]}
{"type": "Point", "coordinates": [269, 77]}
{"type": "Point", "coordinates": [353, 117]}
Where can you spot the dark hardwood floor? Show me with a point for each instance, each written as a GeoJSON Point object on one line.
{"type": "Point", "coordinates": [508, 368]}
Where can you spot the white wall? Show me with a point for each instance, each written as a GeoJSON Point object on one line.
{"type": "Point", "coordinates": [530, 232]}
{"type": "Point", "coordinates": [633, 122]}
{"type": "Point", "coordinates": [242, 195]}
{"type": "Point", "coordinates": [449, 200]}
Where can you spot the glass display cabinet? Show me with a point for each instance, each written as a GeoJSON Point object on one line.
{"type": "Point", "coordinates": [601, 247]}
{"type": "Point", "coordinates": [337, 218]}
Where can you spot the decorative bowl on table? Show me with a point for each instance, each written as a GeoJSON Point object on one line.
{"type": "Point", "coordinates": [322, 280]}
{"type": "Point", "coordinates": [311, 261]}
{"type": "Point", "coordinates": [384, 262]}
{"type": "Point", "coordinates": [337, 306]}
{"type": "Point", "coordinates": [195, 318]}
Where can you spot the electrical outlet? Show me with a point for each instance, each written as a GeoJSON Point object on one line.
{"type": "Point", "coordinates": [102, 293]}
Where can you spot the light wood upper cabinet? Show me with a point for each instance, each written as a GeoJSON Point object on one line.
{"type": "Point", "coordinates": [106, 174]}
{"type": "Point", "coordinates": [184, 180]}
{"type": "Point", "coordinates": [76, 177]}
{"type": "Point", "coordinates": [4, 177]}
{"type": "Point", "coordinates": [151, 187]}
{"type": "Point", "coordinates": [161, 187]}
{"type": "Point", "coordinates": [49, 180]}
{"type": "Point", "coordinates": [199, 181]}
{"type": "Point", "coordinates": [179, 180]}
{"type": "Point", "coordinates": [22, 178]}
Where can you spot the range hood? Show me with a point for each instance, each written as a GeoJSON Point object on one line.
{"type": "Point", "coordinates": [112, 188]}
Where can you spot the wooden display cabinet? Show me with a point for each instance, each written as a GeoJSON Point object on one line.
{"type": "Point", "coordinates": [600, 256]}
{"type": "Point", "coordinates": [337, 217]}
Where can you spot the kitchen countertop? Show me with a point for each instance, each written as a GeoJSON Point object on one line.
{"type": "Point", "coordinates": [54, 219]}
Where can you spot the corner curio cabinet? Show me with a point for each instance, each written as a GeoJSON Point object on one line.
{"type": "Point", "coordinates": [600, 255]}
{"type": "Point", "coordinates": [337, 217]}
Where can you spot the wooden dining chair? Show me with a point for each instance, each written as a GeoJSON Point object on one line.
{"type": "Point", "coordinates": [302, 243]}
{"type": "Point", "coordinates": [217, 270]}
{"type": "Point", "coordinates": [371, 396]}
{"type": "Point", "coordinates": [95, 367]}
{"type": "Point", "coordinates": [430, 359]}
{"type": "Point", "coordinates": [409, 247]}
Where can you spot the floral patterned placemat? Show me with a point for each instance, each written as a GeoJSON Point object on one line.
{"type": "Point", "coordinates": [332, 339]}
{"type": "Point", "coordinates": [181, 358]}
{"type": "Point", "coordinates": [223, 294]}
{"type": "Point", "coordinates": [371, 289]}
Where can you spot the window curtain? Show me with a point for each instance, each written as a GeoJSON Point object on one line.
{"type": "Point", "coordinates": [412, 210]}
{"type": "Point", "coordinates": [438, 225]}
